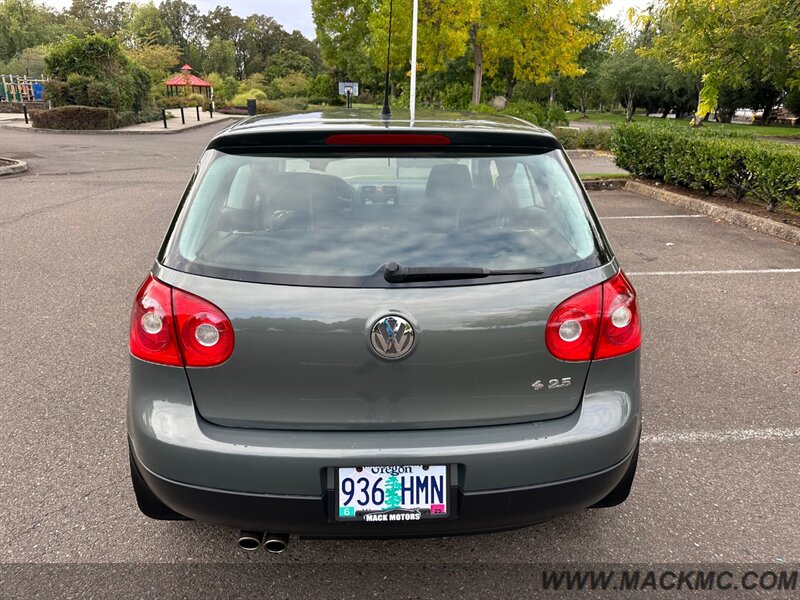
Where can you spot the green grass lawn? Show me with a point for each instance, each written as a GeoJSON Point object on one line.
{"type": "Point", "coordinates": [755, 130]}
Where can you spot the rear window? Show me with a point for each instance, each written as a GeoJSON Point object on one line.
{"type": "Point", "coordinates": [339, 220]}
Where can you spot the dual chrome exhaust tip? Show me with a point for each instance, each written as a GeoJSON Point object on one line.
{"type": "Point", "coordinates": [274, 543]}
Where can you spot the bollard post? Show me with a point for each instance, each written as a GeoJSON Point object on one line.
{"type": "Point", "coordinates": [211, 111]}
{"type": "Point", "coordinates": [198, 112]}
{"type": "Point", "coordinates": [164, 116]}
{"type": "Point", "coordinates": [183, 117]}
{"type": "Point", "coordinates": [25, 112]}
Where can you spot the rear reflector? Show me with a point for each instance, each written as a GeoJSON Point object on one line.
{"type": "Point", "coordinates": [387, 139]}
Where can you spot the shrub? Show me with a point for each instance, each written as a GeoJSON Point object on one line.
{"type": "Point", "coordinates": [242, 98]}
{"type": "Point", "coordinates": [455, 96]}
{"type": "Point", "coordinates": [322, 90]}
{"type": "Point", "coordinates": [101, 93]}
{"type": "Point", "coordinates": [549, 116]}
{"type": "Point", "coordinates": [90, 117]}
{"type": "Point", "coordinates": [593, 138]}
{"type": "Point", "coordinates": [710, 161]}
{"type": "Point", "coordinates": [98, 62]}
{"type": "Point", "coordinates": [290, 85]}
{"type": "Point", "coordinates": [75, 117]}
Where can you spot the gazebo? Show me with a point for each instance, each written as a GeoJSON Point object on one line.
{"type": "Point", "coordinates": [184, 83]}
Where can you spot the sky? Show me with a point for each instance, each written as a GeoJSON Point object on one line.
{"type": "Point", "coordinates": [296, 14]}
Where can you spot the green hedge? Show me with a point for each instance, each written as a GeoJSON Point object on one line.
{"type": "Point", "coordinates": [592, 138]}
{"type": "Point", "coordinates": [89, 117]}
{"type": "Point", "coordinates": [711, 161]}
{"type": "Point", "coordinates": [547, 116]}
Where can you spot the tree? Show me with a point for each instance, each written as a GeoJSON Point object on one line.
{"type": "Point", "coordinates": [535, 39]}
{"type": "Point", "coordinates": [23, 24]}
{"type": "Point", "coordinates": [590, 60]}
{"type": "Point", "coordinates": [345, 37]}
{"type": "Point", "coordinates": [159, 60]}
{"type": "Point", "coordinates": [627, 75]}
{"type": "Point", "coordinates": [183, 21]}
{"type": "Point", "coordinates": [732, 43]}
{"type": "Point", "coordinates": [222, 24]}
{"type": "Point", "coordinates": [145, 27]}
{"type": "Point", "coordinates": [94, 15]}
{"type": "Point", "coordinates": [287, 61]}
{"type": "Point", "coordinates": [221, 57]}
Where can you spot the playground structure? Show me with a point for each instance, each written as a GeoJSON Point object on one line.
{"type": "Point", "coordinates": [20, 89]}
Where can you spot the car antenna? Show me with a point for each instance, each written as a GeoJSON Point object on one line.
{"type": "Point", "coordinates": [386, 112]}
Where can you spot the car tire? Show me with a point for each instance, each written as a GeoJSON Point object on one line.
{"type": "Point", "coordinates": [620, 493]}
{"type": "Point", "coordinates": [148, 503]}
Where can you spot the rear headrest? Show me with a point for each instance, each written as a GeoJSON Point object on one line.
{"type": "Point", "coordinates": [298, 190]}
{"type": "Point", "coordinates": [452, 181]}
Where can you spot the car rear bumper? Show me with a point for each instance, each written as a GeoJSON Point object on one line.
{"type": "Point", "coordinates": [312, 516]}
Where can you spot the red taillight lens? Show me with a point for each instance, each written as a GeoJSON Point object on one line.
{"type": "Point", "coordinates": [621, 331]}
{"type": "Point", "coordinates": [175, 328]}
{"type": "Point", "coordinates": [600, 322]}
{"type": "Point", "coordinates": [204, 332]}
{"type": "Point", "coordinates": [572, 329]}
{"type": "Point", "coordinates": [152, 336]}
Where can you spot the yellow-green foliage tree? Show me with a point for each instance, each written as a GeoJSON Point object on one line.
{"type": "Point", "coordinates": [731, 42]}
{"type": "Point", "coordinates": [541, 38]}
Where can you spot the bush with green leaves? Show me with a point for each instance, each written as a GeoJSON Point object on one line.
{"type": "Point", "coordinates": [89, 117]}
{"type": "Point", "coordinates": [593, 138]}
{"type": "Point", "coordinates": [547, 116]}
{"type": "Point", "coordinates": [322, 90]}
{"type": "Point", "coordinates": [711, 161]}
{"type": "Point", "coordinates": [94, 71]}
{"type": "Point", "coordinates": [74, 118]}
{"type": "Point", "coordinates": [242, 98]}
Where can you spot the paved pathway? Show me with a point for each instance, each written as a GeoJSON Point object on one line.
{"type": "Point", "coordinates": [174, 124]}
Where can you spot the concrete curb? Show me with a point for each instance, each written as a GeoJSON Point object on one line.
{"type": "Point", "coordinates": [723, 213]}
{"type": "Point", "coordinates": [125, 131]}
{"type": "Point", "coordinates": [19, 166]}
{"type": "Point", "coordinates": [616, 183]}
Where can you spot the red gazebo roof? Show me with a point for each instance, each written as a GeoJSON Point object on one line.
{"type": "Point", "coordinates": [187, 79]}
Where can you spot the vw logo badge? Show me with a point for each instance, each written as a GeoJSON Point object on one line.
{"type": "Point", "coordinates": [392, 337]}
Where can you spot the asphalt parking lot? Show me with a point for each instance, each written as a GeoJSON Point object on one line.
{"type": "Point", "coordinates": [719, 472]}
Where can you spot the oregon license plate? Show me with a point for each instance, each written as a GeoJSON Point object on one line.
{"type": "Point", "coordinates": [392, 494]}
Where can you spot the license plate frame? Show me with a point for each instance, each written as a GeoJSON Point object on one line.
{"type": "Point", "coordinates": [405, 513]}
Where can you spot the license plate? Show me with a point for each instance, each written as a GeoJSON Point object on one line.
{"type": "Point", "coordinates": [392, 494]}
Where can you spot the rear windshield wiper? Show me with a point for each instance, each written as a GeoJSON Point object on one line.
{"type": "Point", "coordinates": [394, 273]}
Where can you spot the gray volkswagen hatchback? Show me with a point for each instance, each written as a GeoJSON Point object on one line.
{"type": "Point", "coordinates": [361, 327]}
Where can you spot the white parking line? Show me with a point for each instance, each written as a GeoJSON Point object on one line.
{"type": "Point", "coordinates": [729, 272]}
{"type": "Point", "coordinates": [735, 435]}
{"type": "Point", "coordinates": [654, 217]}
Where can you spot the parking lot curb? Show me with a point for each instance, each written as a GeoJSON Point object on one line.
{"type": "Point", "coordinates": [723, 213]}
{"type": "Point", "coordinates": [19, 166]}
{"type": "Point", "coordinates": [599, 184]}
{"type": "Point", "coordinates": [124, 131]}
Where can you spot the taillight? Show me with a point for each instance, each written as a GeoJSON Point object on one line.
{"type": "Point", "coordinates": [204, 332]}
{"type": "Point", "coordinates": [600, 322]}
{"type": "Point", "coordinates": [175, 328]}
{"type": "Point", "coordinates": [152, 336]}
{"type": "Point", "coordinates": [620, 332]}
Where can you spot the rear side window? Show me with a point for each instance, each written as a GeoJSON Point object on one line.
{"type": "Point", "coordinates": [339, 220]}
